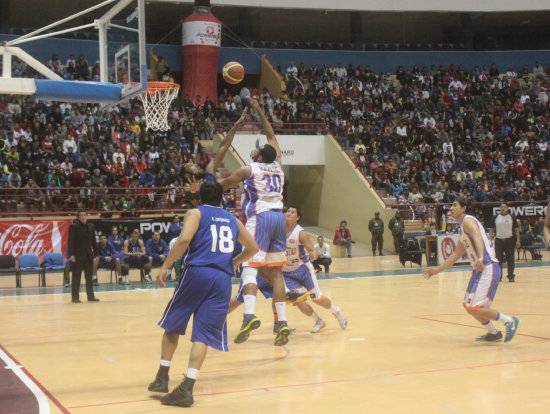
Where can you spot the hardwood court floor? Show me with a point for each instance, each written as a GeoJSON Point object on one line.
{"type": "Point", "coordinates": [409, 348]}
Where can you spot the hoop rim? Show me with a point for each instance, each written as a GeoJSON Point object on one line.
{"type": "Point", "coordinates": [154, 86]}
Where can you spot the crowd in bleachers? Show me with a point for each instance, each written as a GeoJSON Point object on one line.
{"type": "Point", "coordinates": [428, 134]}
{"type": "Point", "coordinates": [421, 135]}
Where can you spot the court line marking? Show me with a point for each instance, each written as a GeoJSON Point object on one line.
{"type": "Point", "coordinates": [416, 271]}
{"type": "Point", "coordinates": [470, 326]}
{"type": "Point", "coordinates": [108, 358]}
{"type": "Point", "coordinates": [338, 381]}
{"type": "Point", "coordinates": [39, 391]}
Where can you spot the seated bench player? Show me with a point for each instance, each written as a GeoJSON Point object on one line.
{"type": "Point", "coordinates": [157, 250]}
{"type": "Point", "coordinates": [108, 258]}
{"type": "Point", "coordinates": [135, 256]}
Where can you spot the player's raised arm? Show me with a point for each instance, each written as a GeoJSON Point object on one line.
{"type": "Point", "coordinates": [225, 144]}
{"type": "Point", "coordinates": [236, 178]}
{"type": "Point", "coordinates": [306, 242]}
{"type": "Point", "coordinates": [190, 226]}
{"type": "Point", "coordinates": [268, 129]}
{"type": "Point", "coordinates": [250, 247]}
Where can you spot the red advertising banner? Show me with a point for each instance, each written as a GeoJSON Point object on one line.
{"type": "Point", "coordinates": [34, 237]}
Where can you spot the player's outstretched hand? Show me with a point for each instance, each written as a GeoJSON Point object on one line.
{"type": "Point", "coordinates": [430, 271]}
{"type": "Point", "coordinates": [253, 103]}
{"type": "Point", "coordinates": [161, 278]}
{"type": "Point", "coordinates": [194, 185]}
{"type": "Point", "coordinates": [242, 119]}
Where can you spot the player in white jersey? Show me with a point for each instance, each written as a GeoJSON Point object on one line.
{"type": "Point", "coordinates": [485, 276]}
{"type": "Point", "coordinates": [299, 271]}
{"type": "Point", "coordinates": [263, 205]}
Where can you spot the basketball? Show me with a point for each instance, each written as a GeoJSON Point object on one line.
{"type": "Point", "coordinates": [233, 72]}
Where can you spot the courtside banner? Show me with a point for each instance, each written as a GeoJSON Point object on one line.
{"type": "Point", "coordinates": [145, 226]}
{"type": "Point", "coordinates": [295, 149]}
{"type": "Point", "coordinates": [446, 246]}
{"type": "Point", "coordinates": [34, 237]}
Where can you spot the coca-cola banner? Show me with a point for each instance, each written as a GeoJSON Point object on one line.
{"type": "Point", "coordinates": [34, 237]}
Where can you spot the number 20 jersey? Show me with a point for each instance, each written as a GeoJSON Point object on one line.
{"type": "Point", "coordinates": [215, 240]}
{"type": "Point", "coordinates": [263, 189]}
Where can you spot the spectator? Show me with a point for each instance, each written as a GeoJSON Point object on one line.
{"type": "Point", "coordinates": [538, 231]}
{"type": "Point", "coordinates": [323, 255]}
{"type": "Point", "coordinates": [342, 237]}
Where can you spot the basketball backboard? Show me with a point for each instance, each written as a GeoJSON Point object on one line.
{"type": "Point", "coordinates": [122, 46]}
{"type": "Point", "coordinates": [122, 55]}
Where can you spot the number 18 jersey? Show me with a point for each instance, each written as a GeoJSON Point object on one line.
{"type": "Point", "coordinates": [263, 189]}
{"type": "Point", "coordinates": [215, 240]}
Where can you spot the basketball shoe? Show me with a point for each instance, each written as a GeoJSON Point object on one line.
{"type": "Point", "coordinates": [283, 331]}
{"type": "Point", "coordinates": [319, 325]}
{"type": "Point", "coordinates": [489, 337]}
{"type": "Point", "coordinates": [250, 322]}
{"type": "Point", "coordinates": [339, 315]}
{"type": "Point", "coordinates": [511, 329]}
{"type": "Point", "coordinates": [160, 384]}
{"type": "Point", "coordinates": [181, 396]}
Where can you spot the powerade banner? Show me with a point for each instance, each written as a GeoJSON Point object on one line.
{"type": "Point", "coordinates": [34, 237]}
{"type": "Point", "coordinates": [524, 210]}
{"type": "Point", "coordinates": [529, 211]}
{"type": "Point", "coordinates": [146, 227]}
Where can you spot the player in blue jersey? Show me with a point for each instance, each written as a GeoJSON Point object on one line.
{"type": "Point", "coordinates": [135, 256]}
{"type": "Point", "coordinates": [156, 249]}
{"type": "Point", "coordinates": [108, 258]}
{"type": "Point", "coordinates": [262, 202]}
{"type": "Point", "coordinates": [207, 243]}
{"type": "Point", "coordinates": [486, 273]}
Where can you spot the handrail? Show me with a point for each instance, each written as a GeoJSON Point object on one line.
{"type": "Point", "coordinates": [371, 185]}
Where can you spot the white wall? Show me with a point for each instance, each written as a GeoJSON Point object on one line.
{"type": "Point", "coordinates": [295, 149]}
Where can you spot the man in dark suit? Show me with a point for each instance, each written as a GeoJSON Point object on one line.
{"type": "Point", "coordinates": [82, 252]}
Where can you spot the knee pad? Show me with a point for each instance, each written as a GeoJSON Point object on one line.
{"type": "Point", "coordinates": [249, 276]}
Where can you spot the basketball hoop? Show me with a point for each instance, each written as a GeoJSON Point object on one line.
{"type": "Point", "coordinates": [156, 101]}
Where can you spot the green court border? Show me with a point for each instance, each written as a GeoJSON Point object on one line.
{"type": "Point", "coordinates": [60, 290]}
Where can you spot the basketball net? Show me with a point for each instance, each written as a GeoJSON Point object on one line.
{"type": "Point", "coordinates": [156, 102]}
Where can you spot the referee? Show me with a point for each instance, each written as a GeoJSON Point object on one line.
{"type": "Point", "coordinates": [507, 230]}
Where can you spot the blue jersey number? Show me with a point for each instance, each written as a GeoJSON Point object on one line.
{"type": "Point", "coordinates": [272, 183]}
{"type": "Point", "coordinates": [222, 239]}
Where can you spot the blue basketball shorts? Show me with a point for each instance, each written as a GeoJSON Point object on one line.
{"type": "Point", "coordinates": [304, 276]}
{"type": "Point", "coordinates": [205, 293]}
{"type": "Point", "coordinates": [482, 287]}
{"type": "Point", "coordinates": [269, 231]}
{"type": "Point", "coordinates": [263, 286]}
